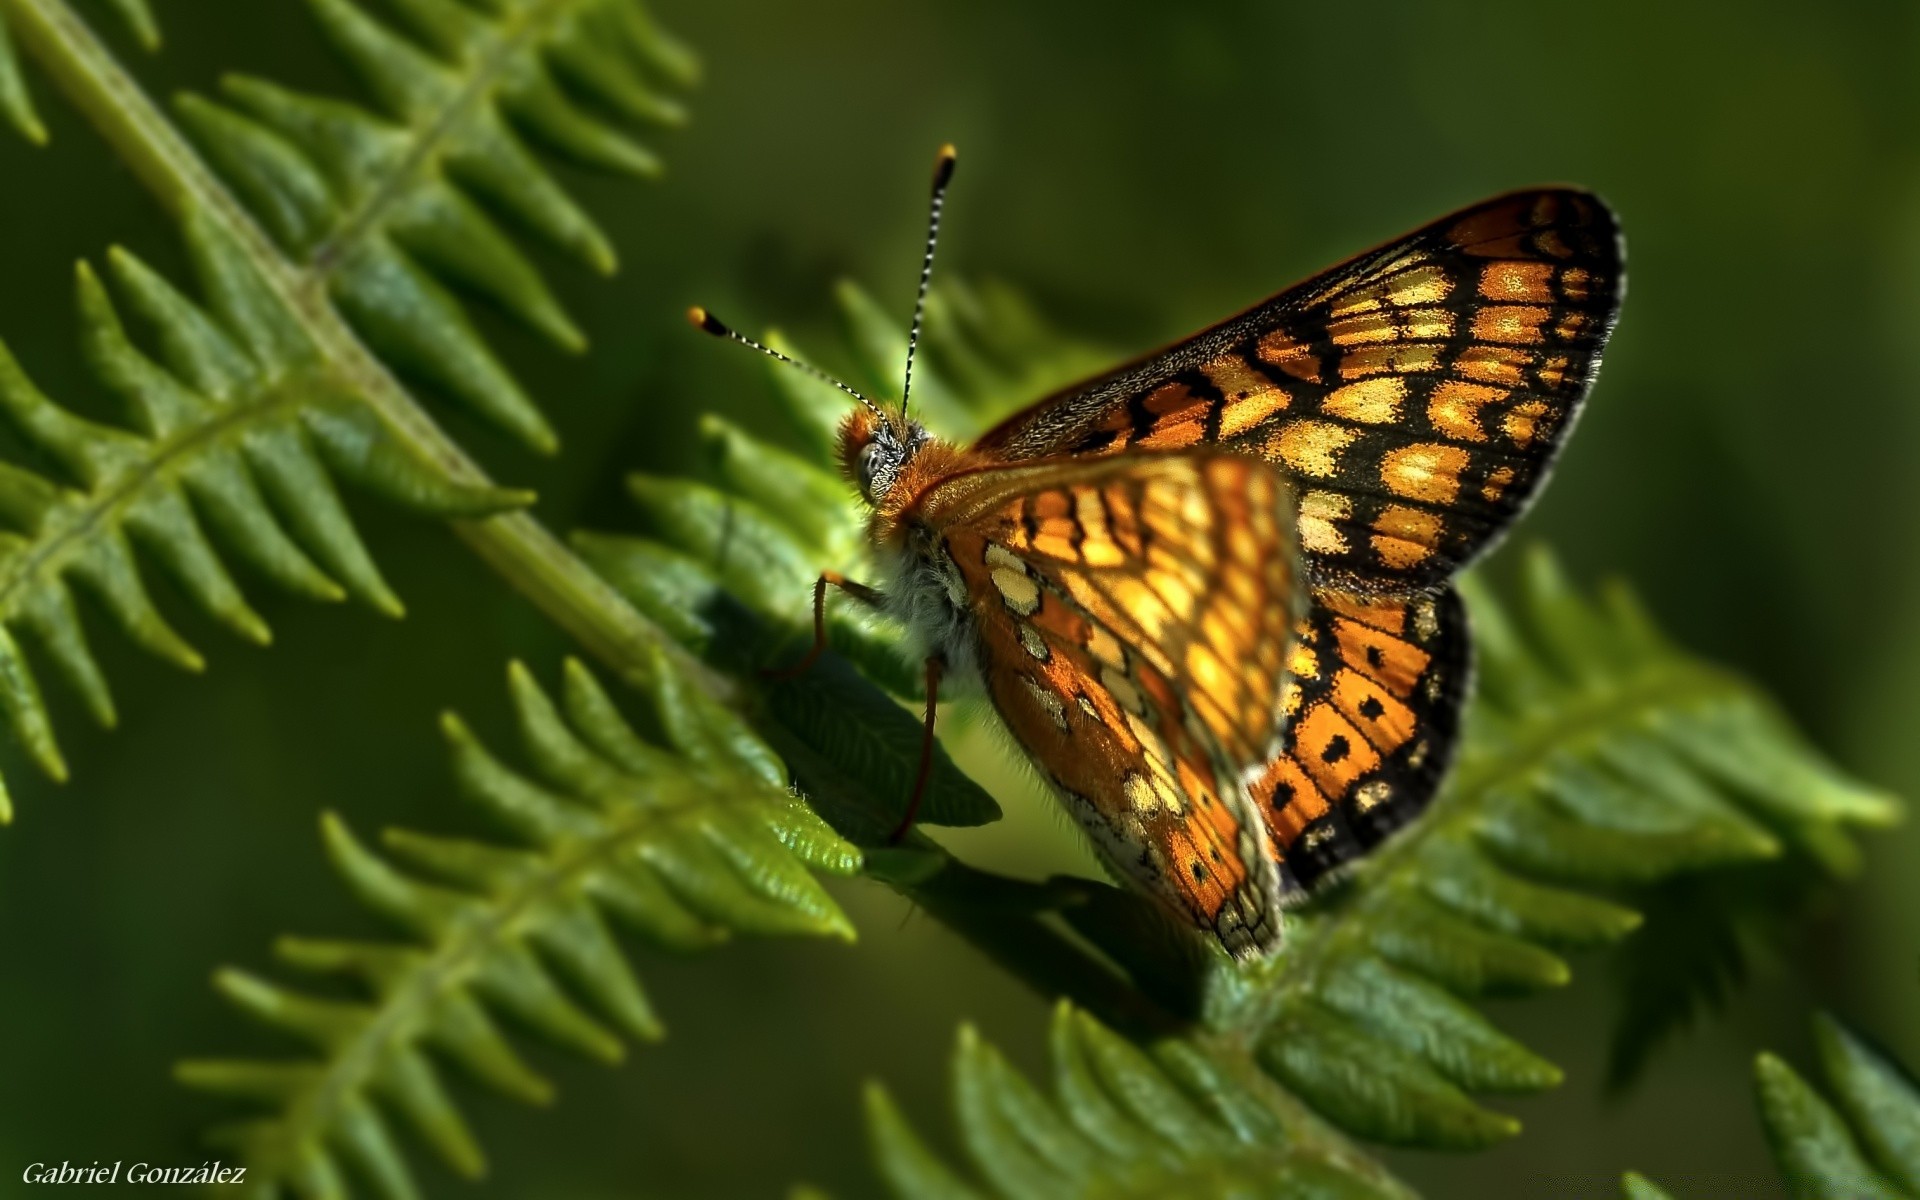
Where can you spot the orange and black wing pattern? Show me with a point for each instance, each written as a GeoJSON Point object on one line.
{"type": "Point", "coordinates": [1134, 619]}
{"type": "Point", "coordinates": [1372, 710]}
{"type": "Point", "coordinates": [1414, 396]}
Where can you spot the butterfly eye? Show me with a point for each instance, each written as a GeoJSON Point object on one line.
{"type": "Point", "coordinates": [868, 453]}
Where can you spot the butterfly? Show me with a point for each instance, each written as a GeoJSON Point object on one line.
{"type": "Point", "coordinates": [1209, 592]}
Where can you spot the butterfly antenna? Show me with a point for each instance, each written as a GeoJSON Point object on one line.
{"type": "Point", "coordinates": [706, 322]}
{"type": "Point", "coordinates": [942, 175]}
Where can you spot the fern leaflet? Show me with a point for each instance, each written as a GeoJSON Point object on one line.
{"type": "Point", "coordinates": [686, 843]}
{"type": "Point", "coordinates": [1863, 1144]}
{"type": "Point", "coordinates": [237, 432]}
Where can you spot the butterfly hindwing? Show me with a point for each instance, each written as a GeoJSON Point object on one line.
{"type": "Point", "coordinates": [1134, 619]}
{"type": "Point", "coordinates": [1372, 714]}
{"type": "Point", "coordinates": [1414, 396]}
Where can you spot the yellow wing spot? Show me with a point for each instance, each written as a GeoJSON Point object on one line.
{"type": "Point", "coordinates": [1522, 420]}
{"type": "Point", "coordinates": [1403, 537]}
{"type": "Point", "coordinates": [1454, 409]}
{"type": "Point", "coordinates": [1553, 372]}
{"type": "Point", "coordinates": [1427, 285]}
{"type": "Point", "coordinates": [1149, 738]}
{"type": "Point", "coordinates": [1497, 482]}
{"type": "Point", "coordinates": [1206, 669]}
{"type": "Point", "coordinates": [1363, 330]}
{"type": "Point", "coordinates": [1369, 796]}
{"type": "Point", "coordinates": [1122, 690]}
{"type": "Point", "coordinates": [1371, 401]}
{"type": "Point", "coordinates": [1279, 349]}
{"type": "Point", "coordinates": [1311, 447]}
{"type": "Point", "coordinates": [1104, 646]}
{"type": "Point", "coordinates": [1318, 512]}
{"type": "Point", "coordinates": [1134, 598]}
{"type": "Point", "coordinates": [1017, 589]}
{"type": "Point", "coordinates": [999, 556]}
{"type": "Point", "coordinates": [1097, 546]}
{"type": "Point", "coordinates": [1033, 643]}
{"type": "Point", "coordinates": [1570, 326]}
{"type": "Point", "coordinates": [1576, 282]}
{"type": "Point", "coordinates": [1510, 323]}
{"type": "Point", "coordinates": [1303, 663]}
{"type": "Point", "coordinates": [1426, 324]}
{"type": "Point", "coordinates": [1251, 396]}
{"type": "Point", "coordinates": [1501, 365]}
{"type": "Point", "coordinates": [1086, 706]}
{"type": "Point", "coordinates": [1140, 794]}
{"type": "Point", "coordinates": [1245, 546]}
{"type": "Point", "coordinates": [1525, 282]}
{"type": "Point", "coordinates": [1426, 471]}
{"type": "Point", "coordinates": [1403, 360]}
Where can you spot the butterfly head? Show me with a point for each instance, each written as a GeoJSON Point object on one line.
{"type": "Point", "coordinates": [876, 445]}
{"type": "Point", "coordinates": [875, 449]}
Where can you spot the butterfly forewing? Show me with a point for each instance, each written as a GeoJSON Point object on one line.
{"type": "Point", "coordinates": [1135, 616]}
{"type": "Point", "coordinates": [1414, 396]}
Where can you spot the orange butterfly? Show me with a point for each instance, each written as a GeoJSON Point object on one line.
{"type": "Point", "coordinates": [1208, 592]}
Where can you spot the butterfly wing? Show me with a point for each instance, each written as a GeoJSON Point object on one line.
{"type": "Point", "coordinates": [1134, 616]}
{"type": "Point", "coordinates": [1372, 713]}
{"type": "Point", "coordinates": [1414, 396]}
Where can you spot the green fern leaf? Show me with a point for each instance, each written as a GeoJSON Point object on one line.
{"type": "Point", "coordinates": [1172, 1121]}
{"type": "Point", "coordinates": [16, 102]}
{"type": "Point", "coordinates": [391, 211]}
{"type": "Point", "coordinates": [685, 843]}
{"type": "Point", "coordinates": [1635, 1186]}
{"type": "Point", "coordinates": [236, 433]}
{"type": "Point", "coordinates": [262, 389]}
{"type": "Point", "coordinates": [1863, 1144]}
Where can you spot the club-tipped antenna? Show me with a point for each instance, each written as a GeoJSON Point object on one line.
{"type": "Point", "coordinates": [706, 322]}
{"type": "Point", "coordinates": [942, 175]}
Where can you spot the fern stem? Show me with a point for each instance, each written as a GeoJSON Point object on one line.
{"type": "Point", "coordinates": [526, 26]}
{"type": "Point", "coordinates": [516, 545]}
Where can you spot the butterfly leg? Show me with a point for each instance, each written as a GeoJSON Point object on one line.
{"type": "Point", "coordinates": [871, 597]}
{"type": "Point", "coordinates": [935, 666]}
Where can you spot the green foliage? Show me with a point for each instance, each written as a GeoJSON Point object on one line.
{"type": "Point", "coordinates": [389, 210]}
{"type": "Point", "coordinates": [237, 430]}
{"type": "Point", "coordinates": [1171, 1121]}
{"type": "Point", "coordinates": [246, 403]}
{"type": "Point", "coordinates": [1604, 772]}
{"type": "Point", "coordinates": [1863, 1144]}
{"type": "Point", "coordinates": [685, 842]}
{"type": "Point", "coordinates": [16, 102]}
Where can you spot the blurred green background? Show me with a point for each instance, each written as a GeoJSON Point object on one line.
{"type": "Point", "coordinates": [1748, 461]}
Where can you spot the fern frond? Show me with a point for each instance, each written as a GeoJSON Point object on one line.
{"type": "Point", "coordinates": [1863, 1144]}
{"type": "Point", "coordinates": [1122, 1122]}
{"type": "Point", "coordinates": [393, 211]}
{"type": "Point", "coordinates": [236, 433]}
{"type": "Point", "coordinates": [16, 102]}
{"type": "Point", "coordinates": [685, 843]}
{"type": "Point", "coordinates": [277, 315]}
